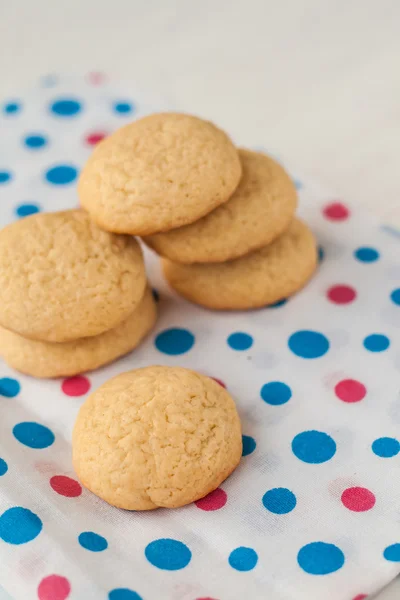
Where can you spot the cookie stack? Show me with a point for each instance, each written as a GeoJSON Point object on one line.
{"type": "Point", "coordinates": [72, 297]}
{"type": "Point", "coordinates": [247, 253]}
{"type": "Point", "coordinates": [221, 218]}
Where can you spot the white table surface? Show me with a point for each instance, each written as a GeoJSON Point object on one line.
{"type": "Point", "coordinates": [315, 81]}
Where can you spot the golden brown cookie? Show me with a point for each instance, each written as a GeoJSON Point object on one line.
{"type": "Point", "coordinates": [260, 209]}
{"type": "Point", "coordinates": [161, 172]}
{"type": "Point", "coordinates": [158, 436]}
{"type": "Point", "coordinates": [63, 278]}
{"type": "Point", "coordinates": [51, 359]}
{"type": "Point", "coordinates": [260, 278]}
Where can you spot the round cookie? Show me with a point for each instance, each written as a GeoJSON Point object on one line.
{"type": "Point", "coordinates": [160, 172]}
{"type": "Point", "coordinates": [262, 277]}
{"type": "Point", "coordinates": [158, 436]}
{"type": "Point", "coordinates": [260, 209]}
{"type": "Point", "coordinates": [63, 278]}
{"type": "Point", "coordinates": [51, 359]}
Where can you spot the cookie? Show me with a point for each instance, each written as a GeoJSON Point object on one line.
{"type": "Point", "coordinates": [51, 359]}
{"type": "Point", "coordinates": [63, 278]}
{"type": "Point", "coordinates": [163, 171]}
{"type": "Point", "coordinates": [158, 436]}
{"type": "Point", "coordinates": [259, 211]}
{"type": "Point", "coordinates": [262, 277]}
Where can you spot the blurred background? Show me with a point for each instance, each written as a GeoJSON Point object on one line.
{"type": "Point", "coordinates": [316, 81]}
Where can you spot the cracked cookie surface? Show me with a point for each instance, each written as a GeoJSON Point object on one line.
{"type": "Point", "coordinates": [63, 359]}
{"type": "Point", "coordinates": [157, 436]}
{"type": "Point", "coordinates": [262, 277]}
{"type": "Point", "coordinates": [160, 172]}
{"type": "Point", "coordinates": [259, 211]}
{"type": "Point", "coordinates": [63, 278]}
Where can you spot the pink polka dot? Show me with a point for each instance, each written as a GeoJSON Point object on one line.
{"type": "Point", "coordinates": [336, 211]}
{"type": "Point", "coordinates": [360, 597]}
{"type": "Point", "coordinates": [341, 294]}
{"type": "Point", "coordinates": [76, 386]}
{"type": "Point", "coordinates": [94, 138]}
{"type": "Point", "coordinates": [43, 466]}
{"type": "Point", "coordinates": [205, 598]}
{"type": "Point", "coordinates": [65, 486]}
{"type": "Point", "coordinates": [358, 499]}
{"type": "Point", "coordinates": [96, 78]}
{"type": "Point", "coordinates": [219, 381]}
{"type": "Point", "coordinates": [350, 390]}
{"type": "Point", "coordinates": [214, 501]}
{"type": "Point", "coordinates": [54, 587]}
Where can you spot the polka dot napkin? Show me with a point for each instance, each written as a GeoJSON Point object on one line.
{"type": "Point", "coordinates": [312, 511]}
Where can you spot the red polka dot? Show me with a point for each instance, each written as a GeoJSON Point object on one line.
{"type": "Point", "coordinates": [350, 390]}
{"type": "Point", "coordinates": [65, 486]}
{"type": "Point", "coordinates": [358, 499]}
{"type": "Point", "coordinates": [336, 211]}
{"type": "Point", "coordinates": [360, 597]}
{"type": "Point", "coordinates": [214, 501]}
{"type": "Point", "coordinates": [208, 598]}
{"type": "Point", "coordinates": [75, 386]}
{"type": "Point", "coordinates": [94, 138]}
{"type": "Point", "coordinates": [219, 381]}
{"type": "Point", "coordinates": [54, 587]}
{"type": "Point", "coordinates": [341, 294]}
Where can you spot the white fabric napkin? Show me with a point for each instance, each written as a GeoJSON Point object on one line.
{"type": "Point", "coordinates": [312, 511]}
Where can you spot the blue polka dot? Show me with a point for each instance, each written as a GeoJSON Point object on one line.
{"type": "Point", "coordinates": [174, 341]}
{"type": "Point", "coordinates": [5, 177]}
{"type": "Point", "coordinates": [366, 254]}
{"type": "Point", "coordinates": [279, 501]}
{"type": "Point", "coordinates": [249, 445]}
{"type": "Point", "coordinates": [167, 554]}
{"type": "Point", "coordinates": [386, 447]}
{"type": "Point", "coordinates": [278, 304]}
{"type": "Point", "coordinates": [3, 467]}
{"type": "Point", "coordinates": [391, 230]}
{"type": "Point", "coordinates": [319, 558]}
{"type": "Point", "coordinates": [376, 342]}
{"type": "Point", "coordinates": [19, 525]}
{"type": "Point", "coordinates": [123, 108]}
{"type": "Point", "coordinates": [313, 446]}
{"type": "Point", "coordinates": [35, 141]}
{"type": "Point", "coordinates": [11, 108]}
{"type": "Point", "coordinates": [392, 553]}
{"type": "Point", "coordinates": [66, 107]}
{"type": "Point", "coordinates": [61, 174]}
{"type": "Point", "coordinates": [276, 393]}
{"type": "Point", "coordinates": [395, 295]}
{"type": "Point", "coordinates": [243, 559]}
{"type": "Point", "coordinates": [123, 594]}
{"type": "Point", "coordinates": [9, 387]}
{"type": "Point", "coordinates": [92, 541]}
{"type": "Point", "coordinates": [308, 344]}
{"type": "Point", "coordinates": [298, 184]}
{"type": "Point", "coordinates": [240, 341]}
{"type": "Point", "coordinates": [24, 210]}
{"type": "Point", "coordinates": [33, 435]}
{"type": "Point", "coordinates": [49, 80]}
